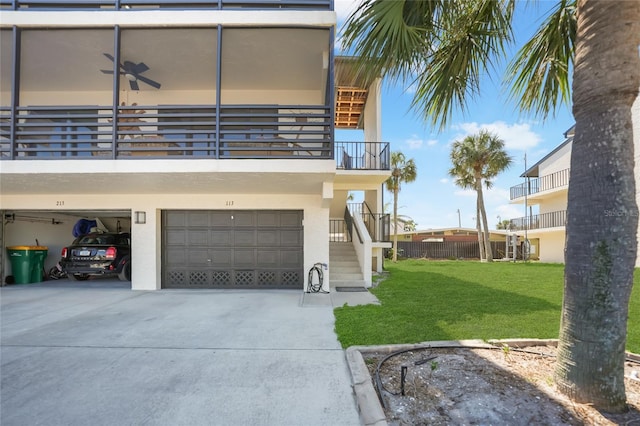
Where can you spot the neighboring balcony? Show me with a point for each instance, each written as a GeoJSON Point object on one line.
{"type": "Point", "coordinates": [539, 221]}
{"type": "Point", "coordinates": [166, 4]}
{"type": "Point", "coordinates": [548, 182]}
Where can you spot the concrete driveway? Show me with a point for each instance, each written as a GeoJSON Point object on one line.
{"type": "Point", "coordinates": [98, 353]}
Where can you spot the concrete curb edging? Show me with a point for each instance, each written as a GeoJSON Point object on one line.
{"type": "Point", "coordinates": [369, 407]}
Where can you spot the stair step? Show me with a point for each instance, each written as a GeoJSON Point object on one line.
{"type": "Point", "coordinates": [347, 283]}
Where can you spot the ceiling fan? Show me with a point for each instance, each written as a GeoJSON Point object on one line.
{"type": "Point", "coordinates": [132, 72]}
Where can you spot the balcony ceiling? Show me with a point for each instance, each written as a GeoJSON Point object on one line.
{"type": "Point", "coordinates": [101, 178]}
{"type": "Point", "coordinates": [179, 59]}
{"type": "Point", "coordinates": [351, 92]}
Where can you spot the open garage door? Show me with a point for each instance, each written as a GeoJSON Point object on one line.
{"type": "Point", "coordinates": [232, 249]}
{"type": "Point", "coordinates": [52, 229]}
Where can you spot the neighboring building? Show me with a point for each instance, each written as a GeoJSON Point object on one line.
{"type": "Point", "coordinates": [448, 234]}
{"type": "Point", "coordinates": [214, 143]}
{"type": "Point", "coordinates": [544, 193]}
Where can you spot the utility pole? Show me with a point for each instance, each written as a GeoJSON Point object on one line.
{"type": "Point", "coordinates": [525, 246]}
{"type": "Point", "coordinates": [459, 222]}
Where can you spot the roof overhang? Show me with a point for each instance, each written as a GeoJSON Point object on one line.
{"type": "Point", "coordinates": [351, 93]}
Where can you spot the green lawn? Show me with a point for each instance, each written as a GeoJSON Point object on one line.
{"type": "Point", "coordinates": [451, 300]}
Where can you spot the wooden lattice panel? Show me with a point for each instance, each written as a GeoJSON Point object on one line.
{"type": "Point", "coordinates": [349, 106]}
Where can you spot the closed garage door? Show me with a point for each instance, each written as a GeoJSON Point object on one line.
{"type": "Point", "coordinates": [232, 249]}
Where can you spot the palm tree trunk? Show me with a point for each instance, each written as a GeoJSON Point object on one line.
{"type": "Point", "coordinates": [488, 255]}
{"type": "Point", "coordinates": [479, 228]}
{"type": "Point", "coordinates": [395, 224]}
{"type": "Point", "coordinates": [602, 215]}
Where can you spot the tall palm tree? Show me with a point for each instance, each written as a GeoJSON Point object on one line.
{"type": "Point", "coordinates": [402, 171]}
{"type": "Point", "coordinates": [477, 159]}
{"type": "Point", "coordinates": [444, 47]}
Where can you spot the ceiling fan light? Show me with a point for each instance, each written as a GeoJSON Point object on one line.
{"type": "Point", "coordinates": [130, 76]}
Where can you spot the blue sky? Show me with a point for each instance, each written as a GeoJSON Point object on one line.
{"type": "Point", "coordinates": [433, 199]}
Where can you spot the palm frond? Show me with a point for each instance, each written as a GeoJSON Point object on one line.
{"type": "Point", "coordinates": [539, 75]}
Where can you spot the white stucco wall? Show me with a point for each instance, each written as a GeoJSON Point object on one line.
{"type": "Point", "coordinates": [146, 273]}
{"type": "Point", "coordinates": [553, 202]}
{"type": "Point", "coordinates": [560, 160]}
{"type": "Point", "coordinates": [551, 248]}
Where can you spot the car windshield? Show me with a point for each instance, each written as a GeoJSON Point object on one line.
{"type": "Point", "coordinates": [97, 239]}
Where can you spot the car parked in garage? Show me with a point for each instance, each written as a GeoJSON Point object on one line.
{"type": "Point", "coordinates": [98, 254]}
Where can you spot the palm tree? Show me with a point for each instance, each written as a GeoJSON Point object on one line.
{"type": "Point", "coordinates": [443, 48]}
{"type": "Point", "coordinates": [476, 160]}
{"type": "Point", "coordinates": [504, 224]}
{"type": "Point", "coordinates": [402, 171]}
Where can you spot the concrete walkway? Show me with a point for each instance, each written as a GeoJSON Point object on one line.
{"type": "Point", "coordinates": [101, 354]}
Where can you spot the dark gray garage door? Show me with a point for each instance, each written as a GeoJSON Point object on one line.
{"type": "Point", "coordinates": [232, 249]}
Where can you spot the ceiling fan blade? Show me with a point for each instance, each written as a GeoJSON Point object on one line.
{"type": "Point", "coordinates": [107, 71]}
{"type": "Point", "coordinates": [148, 81]}
{"type": "Point", "coordinates": [134, 85]}
{"type": "Point", "coordinates": [112, 59]}
{"type": "Point", "coordinates": [140, 68]}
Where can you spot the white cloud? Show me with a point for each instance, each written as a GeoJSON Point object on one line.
{"type": "Point", "coordinates": [508, 211]}
{"type": "Point", "coordinates": [344, 8]}
{"type": "Point", "coordinates": [517, 136]}
{"type": "Point", "coordinates": [414, 142]}
{"type": "Point", "coordinates": [444, 180]}
{"type": "Point", "coordinates": [432, 142]}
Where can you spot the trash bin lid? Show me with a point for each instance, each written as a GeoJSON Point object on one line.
{"type": "Point", "coordinates": [27, 248]}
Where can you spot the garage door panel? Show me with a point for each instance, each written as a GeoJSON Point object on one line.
{"type": "Point", "coordinates": [177, 219]}
{"type": "Point", "coordinates": [220, 237]}
{"type": "Point", "coordinates": [177, 254]}
{"type": "Point", "coordinates": [233, 249]}
{"type": "Point", "coordinates": [268, 237]}
{"type": "Point", "coordinates": [221, 258]}
{"type": "Point", "coordinates": [176, 237]}
{"type": "Point", "coordinates": [197, 218]}
{"type": "Point", "coordinates": [220, 218]}
{"type": "Point", "coordinates": [268, 219]}
{"type": "Point", "coordinates": [290, 258]}
{"type": "Point", "coordinates": [268, 258]}
{"type": "Point", "coordinates": [245, 238]}
{"type": "Point", "coordinates": [291, 238]}
{"type": "Point", "coordinates": [198, 257]}
{"type": "Point", "coordinates": [244, 218]}
{"type": "Point", "coordinates": [197, 238]}
{"type": "Point", "coordinates": [244, 258]}
{"type": "Point", "coordinates": [292, 219]}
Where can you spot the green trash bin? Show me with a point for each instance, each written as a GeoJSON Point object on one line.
{"type": "Point", "coordinates": [27, 263]}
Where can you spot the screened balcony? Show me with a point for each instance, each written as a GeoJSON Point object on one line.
{"type": "Point", "coordinates": [165, 4]}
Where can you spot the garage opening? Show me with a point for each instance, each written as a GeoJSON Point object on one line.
{"type": "Point", "coordinates": [232, 249]}
{"type": "Point", "coordinates": [52, 229]}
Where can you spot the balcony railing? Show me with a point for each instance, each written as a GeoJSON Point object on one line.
{"type": "Point", "coordinates": [544, 183]}
{"type": "Point", "coordinates": [539, 221]}
{"type": "Point", "coordinates": [362, 155]}
{"type": "Point", "coordinates": [165, 4]}
{"type": "Point", "coordinates": [180, 132]}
